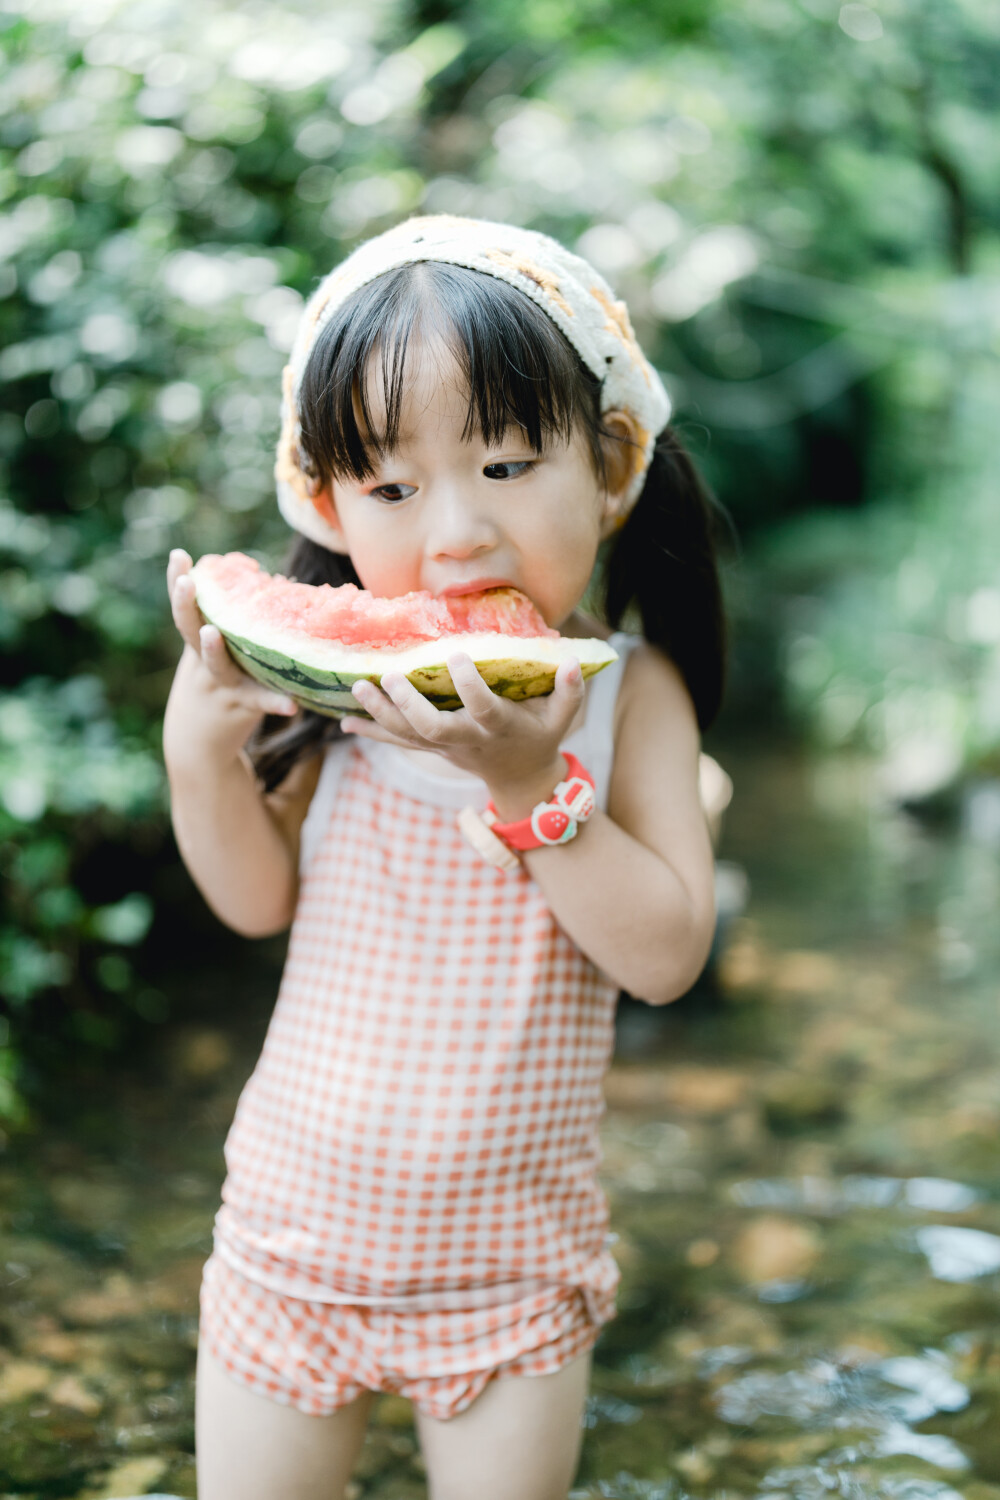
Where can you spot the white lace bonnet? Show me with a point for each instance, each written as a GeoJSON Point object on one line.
{"type": "Point", "coordinates": [574, 295]}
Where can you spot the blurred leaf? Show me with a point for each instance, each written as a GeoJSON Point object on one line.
{"type": "Point", "coordinates": [126, 922]}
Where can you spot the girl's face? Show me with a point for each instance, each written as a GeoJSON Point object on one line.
{"type": "Point", "coordinates": [447, 515]}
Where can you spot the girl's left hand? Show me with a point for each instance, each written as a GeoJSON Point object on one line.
{"type": "Point", "coordinates": [513, 747]}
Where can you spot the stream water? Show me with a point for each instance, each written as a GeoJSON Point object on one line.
{"type": "Point", "coordinates": [802, 1165]}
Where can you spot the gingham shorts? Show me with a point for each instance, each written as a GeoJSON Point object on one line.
{"type": "Point", "coordinates": [318, 1356]}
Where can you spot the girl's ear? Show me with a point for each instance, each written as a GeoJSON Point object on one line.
{"type": "Point", "coordinates": [622, 455]}
{"type": "Point", "coordinates": [322, 499]}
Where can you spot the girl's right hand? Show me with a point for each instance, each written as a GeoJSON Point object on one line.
{"type": "Point", "coordinates": [213, 705]}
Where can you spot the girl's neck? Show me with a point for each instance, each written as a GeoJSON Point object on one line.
{"type": "Point", "coordinates": [584, 627]}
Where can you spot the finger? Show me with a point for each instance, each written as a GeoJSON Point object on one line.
{"type": "Point", "coordinates": [384, 709]}
{"type": "Point", "coordinates": [187, 616]}
{"type": "Point", "coordinates": [487, 708]}
{"type": "Point", "coordinates": [228, 674]}
{"type": "Point", "coordinates": [422, 717]}
{"type": "Point", "coordinates": [569, 689]}
{"type": "Point", "coordinates": [367, 729]}
{"type": "Point", "coordinates": [178, 564]}
{"type": "Point", "coordinates": [218, 660]}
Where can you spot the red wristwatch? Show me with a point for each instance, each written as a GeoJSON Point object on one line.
{"type": "Point", "coordinates": [553, 822]}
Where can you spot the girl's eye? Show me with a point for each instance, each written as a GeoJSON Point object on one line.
{"type": "Point", "coordinates": [390, 493]}
{"type": "Point", "coordinates": [520, 465]}
{"type": "Point", "coordinates": [380, 492]}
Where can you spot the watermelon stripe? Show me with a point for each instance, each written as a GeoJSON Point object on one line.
{"type": "Point", "coordinates": [330, 693]}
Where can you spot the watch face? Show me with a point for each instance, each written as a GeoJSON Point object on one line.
{"type": "Point", "coordinates": [553, 825]}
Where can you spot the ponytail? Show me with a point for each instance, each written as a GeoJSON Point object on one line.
{"type": "Point", "coordinates": [663, 561]}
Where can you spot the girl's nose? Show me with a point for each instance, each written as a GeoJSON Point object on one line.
{"type": "Point", "coordinates": [459, 528]}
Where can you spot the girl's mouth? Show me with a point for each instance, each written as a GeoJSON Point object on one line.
{"type": "Point", "coordinates": [476, 586]}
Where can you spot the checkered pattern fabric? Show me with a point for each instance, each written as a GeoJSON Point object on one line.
{"type": "Point", "coordinates": [420, 1135]}
{"type": "Point", "coordinates": [318, 1356]}
{"type": "Point", "coordinates": [421, 1126]}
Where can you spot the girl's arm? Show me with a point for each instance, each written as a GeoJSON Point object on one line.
{"type": "Point", "coordinates": [635, 888]}
{"type": "Point", "coordinates": [240, 846]}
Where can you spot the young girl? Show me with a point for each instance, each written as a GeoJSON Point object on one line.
{"type": "Point", "coordinates": [411, 1202]}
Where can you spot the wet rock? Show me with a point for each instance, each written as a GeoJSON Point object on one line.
{"type": "Point", "coordinates": [744, 1134]}
{"type": "Point", "coordinates": [21, 1378]}
{"type": "Point", "coordinates": [744, 964]}
{"type": "Point", "coordinates": [803, 972]}
{"type": "Point", "coordinates": [974, 1119]}
{"type": "Point", "coordinates": [634, 1088]}
{"type": "Point", "coordinates": [789, 1450]}
{"type": "Point", "coordinates": [772, 1248]}
{"type": "Point", "coordinates": [695, 1465]}
{"type": "Point", "coordinates": [199, 1054]}
{"type": "Point", "coordinates": [54, 1343]}
{"type": "Point", "coordinates": [690, 1090]}
{"type": "Point", "coordinates": [45, 1451]}
{"type": "Point", "coordinates": [87, 1201]}
{"type": "Point", "coordinates": [733, 1324]}
{"type": "Point", "coordinates": [176, 1288]}
{"type": "Point", "coordinates": [133, 1477]}
{"type": "Point", "coordinates": [801, 1101]}
{"type": "Point", "coordinates": [705, 1090]}
{"type": "Point", "coordinates": [118, 1298]}
{"type": "Point", "coordinates": [70, 1391]}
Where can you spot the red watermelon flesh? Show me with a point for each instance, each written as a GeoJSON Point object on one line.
{"type": "Point", "coordinates": [358, 618]}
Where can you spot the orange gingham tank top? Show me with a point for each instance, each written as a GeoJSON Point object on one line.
{"type": "Point", "coordinates": [420, 1132]}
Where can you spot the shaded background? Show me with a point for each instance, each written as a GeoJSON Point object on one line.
{"type": "Point", "coordinates": [797, 199]}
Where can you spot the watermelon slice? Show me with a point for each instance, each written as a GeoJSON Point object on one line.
{"type": "Point", "coordinates": [314, 642]}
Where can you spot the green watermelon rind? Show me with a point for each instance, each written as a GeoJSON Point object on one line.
{"type": "Point", "coordinates": [321, 673]}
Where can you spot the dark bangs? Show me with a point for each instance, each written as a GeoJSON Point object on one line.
{"type": "Point", "coordinates": [519, 369]}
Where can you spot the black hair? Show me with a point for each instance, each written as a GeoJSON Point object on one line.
{"type": "Point", "coordinates": [659, 570]}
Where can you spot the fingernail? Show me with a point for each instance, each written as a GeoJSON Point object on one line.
{"type": "Point", "coordinates": [287, 706]}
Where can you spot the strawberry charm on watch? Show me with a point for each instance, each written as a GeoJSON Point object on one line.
{"type": "Point", "coordinates": [553, 822]}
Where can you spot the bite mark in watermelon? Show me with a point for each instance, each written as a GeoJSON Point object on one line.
{"type": "Point", "coordinates": [314, 642]}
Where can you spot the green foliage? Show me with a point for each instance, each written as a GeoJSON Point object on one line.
{"type": "Point", "coordinates": [796, 197]}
